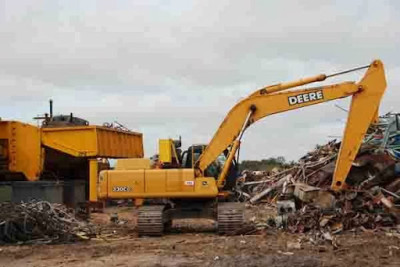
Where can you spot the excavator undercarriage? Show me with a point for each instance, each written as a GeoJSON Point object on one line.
{"type": "Point", "coordinates": [155, 220]}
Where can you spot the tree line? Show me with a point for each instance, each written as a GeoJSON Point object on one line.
{"type": "Point", "coordinates": [265, 164]}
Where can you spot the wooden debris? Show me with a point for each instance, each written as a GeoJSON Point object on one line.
{"type": "Point", "coordinates": [277, 185]}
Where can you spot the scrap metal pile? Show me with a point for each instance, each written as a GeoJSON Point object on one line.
{"type": "Point", "coordinates": [40, 222]}
{"type": "Point", "coordinates": [313, 169]}
{"type": "Point", "coordinates": [302, 197]}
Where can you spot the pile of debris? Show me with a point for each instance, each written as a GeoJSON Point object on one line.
{"type": "Point", "coordinates": [315, 168]}
{"type": "Point", "coordinates": [41, 222]}
{"type": "Point", "coordinates": [302, 197]}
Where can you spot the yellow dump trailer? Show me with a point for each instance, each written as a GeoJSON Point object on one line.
{"type": "Point", "coordinates": [69, 153]}
{"type": "Point", "coordinates": [94, 141]}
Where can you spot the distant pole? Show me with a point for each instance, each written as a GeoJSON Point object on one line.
{"type": "Point", "coordinates": [51, 108]}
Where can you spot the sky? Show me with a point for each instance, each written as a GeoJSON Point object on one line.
{"type": "Point", "coordinates": [175, 68]}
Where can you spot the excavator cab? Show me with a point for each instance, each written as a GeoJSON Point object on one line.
{"type": "Point", "coordinates": [170, 156]}
{"type": "Point", "coordinates": [192, 155]}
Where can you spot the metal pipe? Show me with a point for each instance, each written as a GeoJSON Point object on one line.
{"type": "Point", "coordinates": [347, 71]}
{"type": "Point", "coordinates": [276, 185]}
{"type": "Point", "coordinates": [51, 108]}
{"type": "Point", "coordinates": [244, 127]}
{"type": "Point", "coordinates": [390, 193]}
{"type": "Point", "coordinates": [228, 163]}
{"type": "Point", "coordinates": [246, 122]}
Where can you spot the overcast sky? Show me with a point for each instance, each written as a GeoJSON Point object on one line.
{"type": "Point", "coordinates": [170, 68]}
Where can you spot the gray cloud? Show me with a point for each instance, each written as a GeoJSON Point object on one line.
{"type": "Point", "coordinates": [170, 68]}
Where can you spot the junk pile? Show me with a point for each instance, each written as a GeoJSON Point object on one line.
{"type": "Point", "coordinates": [302, 197]}
{"type": "Point", "coordinates": [41, 222]}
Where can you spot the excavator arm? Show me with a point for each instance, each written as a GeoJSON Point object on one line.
{"type": "Point", "coordinates": [366, 97]}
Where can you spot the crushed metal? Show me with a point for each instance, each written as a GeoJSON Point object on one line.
{"type": "Point", "coordinates": [40, 222]}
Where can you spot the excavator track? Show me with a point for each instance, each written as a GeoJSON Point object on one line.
{"type": "Point", "coordinates": [230, 217]}
{"type": "Point", "coordinates": [151, 220]}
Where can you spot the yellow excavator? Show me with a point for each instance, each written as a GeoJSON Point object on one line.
{"type": "Point", "coordinates": [201, 191]}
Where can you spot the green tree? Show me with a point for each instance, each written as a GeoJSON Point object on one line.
{"type": "Point", "coordinates": [264, 164]}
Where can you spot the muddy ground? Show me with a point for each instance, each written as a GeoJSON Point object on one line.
{"type": "Point", "coordinates": [193, 243]}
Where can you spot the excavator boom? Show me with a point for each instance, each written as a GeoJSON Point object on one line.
{"type": "Point", "coordinates": [366, 97]}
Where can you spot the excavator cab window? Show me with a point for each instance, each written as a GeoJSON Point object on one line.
{"type": "Point", "coordinates": [184, 159]}
{"type": "Point", "coordinates": [190, 156]}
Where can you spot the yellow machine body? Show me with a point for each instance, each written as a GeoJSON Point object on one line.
{"type": "Point", "coordinates": [132, 164]}
{"type": "Point", "coordinates": [155, 183]}
{"type": "Point", "coordinates": [165, 150]}
{"type": "Point", "coordinates": [20, 149]}
{"type": "Point", "coordinates": [168, 153]}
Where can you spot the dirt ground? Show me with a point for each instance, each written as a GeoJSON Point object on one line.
{"type": "Point", "coordinates": [193, 243]}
